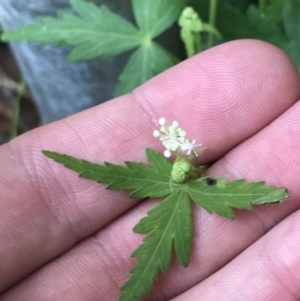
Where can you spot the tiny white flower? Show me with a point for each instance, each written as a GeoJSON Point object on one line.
{"type": "Point", "coordinates": [156, 133]}
{"type": "Point", "coordinates": [167, 153]}
{"type": "Point", "coordinates": [173, 137]}
{"type": "Point", "coordinates": [182, 133]}
{"type": "Point", "coordinates": [189, 146]}
{"type": "Point", "coordinates": [162, 121]}
{"type": "Point", "coordinates": [163, 129]}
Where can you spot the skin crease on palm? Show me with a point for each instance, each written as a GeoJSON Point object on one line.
{"type": "Point", "coordinates": [66, 238]}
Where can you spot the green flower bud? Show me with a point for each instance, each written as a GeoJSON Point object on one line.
{"type": "Point", "coordinates": [181, 170]}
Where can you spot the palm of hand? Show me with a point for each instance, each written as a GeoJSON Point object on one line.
{"type": "Point", "coordinates": [75, 237]}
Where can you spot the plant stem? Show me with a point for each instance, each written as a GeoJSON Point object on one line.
{"type": "Point", "coordinates": [16, 110]}
{"type": "Point", "coordinates": [212, 21]}
{"type": "Point", "coordinates": [262, 5]}
{"type": "Point", "coordinates": [197, 40]}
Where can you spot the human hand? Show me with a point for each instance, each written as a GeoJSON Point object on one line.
{"type": "Point", "coordinates": [70, 239]}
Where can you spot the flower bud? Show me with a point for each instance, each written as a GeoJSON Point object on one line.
{"type": "Point", "coordinates": [181, 170]}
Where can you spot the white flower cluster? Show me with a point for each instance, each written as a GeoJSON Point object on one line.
{"type": "Point", "coordinates": [173, 138]}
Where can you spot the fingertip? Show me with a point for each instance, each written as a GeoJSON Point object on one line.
{"type": "Point", "coordinates": [232, 90]}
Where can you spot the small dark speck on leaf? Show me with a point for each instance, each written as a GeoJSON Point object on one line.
{"type": "Point", "coordinates": [210, 181]}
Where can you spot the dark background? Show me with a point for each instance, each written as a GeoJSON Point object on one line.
{"type": "Point", "coordinates": [10, 78]}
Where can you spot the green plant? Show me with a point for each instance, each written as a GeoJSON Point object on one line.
{"type": "Point", "coordinates": [273, 21]}
{"type": "Point", "coordinates": [191, 28]}
{"type": "Point", "coordinates": [181, 182]}
{"type": "Point", "coordinates": [97, 32]}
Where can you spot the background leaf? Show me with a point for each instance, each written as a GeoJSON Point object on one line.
{"type": "Point", "coordinates": [265, 29]}
{"type": "Point", "coordinates": [274, 10]}
{"type": "Point", "coordinates": [155, 16]}
{"type": "Point", "coordinates": [240, 4]}
{"type": "Point", "coordinates": [142, 179]}
{"type": "Point", "coordinates": [202, 6]}
{"type": "Point", "coordinates": [291, 19]}
{"type": "Point", "coordinates": [234, 25]}
{"type": "Point", "coordinates": [146, 62]}
{"type": "Point", "coordinates": [170, 220]}
{"type": "Point", "coordinates": [96, 32]}
{"type": "Point", "coordinates": [279, 26]}
{"type": "Point", "coordinates": [222, 196]}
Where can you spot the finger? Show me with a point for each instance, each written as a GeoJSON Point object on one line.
{"type": "Point", "coordinates": [100, 265]}
{"type": "Point", "coordinates": [267, 271]}
{"type": "Point", "coordinates": [233, 90]}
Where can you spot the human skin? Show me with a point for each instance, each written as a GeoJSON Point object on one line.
{"type": "Point", "coordinates": [67, 238]}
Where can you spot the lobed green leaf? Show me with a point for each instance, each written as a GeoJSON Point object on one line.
{"type": "Point", "coordinates": [95, 32]}
{"type": "Point", "coordinates": [222, 196]}
{"type": "Point", "coordinates": [159, 162]}
{"type": "Point", "coordinates": [142, 179]}
{"type": "Point", "coordinates": [169, 222]}
{"type": "Point", "coordinates": [155, 16]}
{"type": "Point", "coordinates": [146, 62]}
